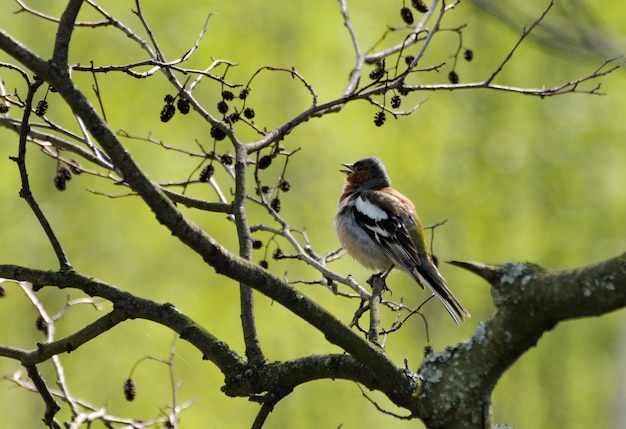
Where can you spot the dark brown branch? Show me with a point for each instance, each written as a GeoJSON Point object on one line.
{"type": "Point", "coordinates": [246, 297]}
{"type": "Point", "coordinates": [268, 402]}
{"type": "Point", "coordinates": [393, 381]}
{"type": "Point", "coordinates": [271, 377]}
{"type": "Point", "coordinates": [68, 344]}
{"type": "Point", "coordinates": [64, 35]}
{"type": "Point", "coordinates": [25, 191]}
{"type": "Point", "coordinates": [530, 301]}
{"type": "Point", "coordinates": [41, 137]}
{"type": "Point", "coordinates": [196, 203]}
{"type": "Point", "coordinates": [126, 306]}
{"type": "Point", "coordinates": [280, 378]}
{"type": "Point", "coordinates": [52, 407]}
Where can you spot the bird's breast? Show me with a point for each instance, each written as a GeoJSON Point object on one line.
{"type": "Point", "coordinates": [356, 240]}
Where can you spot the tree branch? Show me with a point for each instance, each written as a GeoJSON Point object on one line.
{"type": "Point", "coordinates": [25, 191]}
{"type": "Point", "coordinates": [530, 301]}
{"type": "Point", "coordinates": [64, 35]}
{"type": "Point", "coordinates": [525, 33]}
{"type": "Point", "coordinates": [52, 407]}
{"type": "Point", "coordinates": [126, 306]}
{"type": "Point", "coordinates": [246, 297]}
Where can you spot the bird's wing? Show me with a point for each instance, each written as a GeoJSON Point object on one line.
{"type": "Point", "coordinates": [389, 219]}
{"type": "Point", "coordinates": [387, 223]}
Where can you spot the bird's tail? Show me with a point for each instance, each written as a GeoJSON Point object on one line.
{"type": "Point", "coordinates": [427, 274]}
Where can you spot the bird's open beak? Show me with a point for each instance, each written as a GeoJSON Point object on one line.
{"type": "Point", "coordinates": [349, 169]}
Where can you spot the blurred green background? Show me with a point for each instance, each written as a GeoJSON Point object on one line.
{"type": "Point", "coordinates": [518, 178]}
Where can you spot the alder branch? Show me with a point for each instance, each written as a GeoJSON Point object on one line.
{"type": "Point", "coordinates": [64, 34]}
{"type": "Point", "coordinates": [251, 338]}
{"type": "Point", "coordinates": [52, 407]}
{"type": "Point", "coordinates": [25, 8]}
{"type": "Point", "coordinates": [94, 412]}
{"type": "Point", "coordinates": [571, 86]}
{"type": "Point", "coordinates": [126, 306]}
{"type": "Point", "coordinates": [525, 33]}
{"type": "Point", "coordinates": [25, 191]}
{"type": "Point", "coordinates": [369, 366]}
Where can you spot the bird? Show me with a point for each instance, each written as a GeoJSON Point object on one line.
{"type": "Point", "coordinates": [379, 227]}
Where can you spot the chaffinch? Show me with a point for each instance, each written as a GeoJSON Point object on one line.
{"type": "Point", "coordinates": [378, 226]}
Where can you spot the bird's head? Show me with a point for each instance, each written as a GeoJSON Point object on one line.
{"type": "Point", "coordinates": [368, 173]}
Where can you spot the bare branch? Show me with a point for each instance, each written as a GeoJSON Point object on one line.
{"type": "Point", "coordinates": [25, 192]}
{"type": "Point", "coordinates": [523, 36]}
{"type": "Point", "coordinates": [433, 30]}
{"type": "Point", "coordinates": [64, 34]}
{"type": "Point", "coordinates": [269, 401]}
{"type": "Point", "coordinates": [125, 306]}
{"type": "Point", "coordinates": [93, 412]}
{"type": "Point", "coordinates": [52, 407]}
{"type": "Point", "coordinates": [250, 335]}
{"type": "Point", "coordinates": [25, 8]}
{"type": "Point", "coordinates": [49, 323]}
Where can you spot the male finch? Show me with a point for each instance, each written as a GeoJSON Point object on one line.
{"type": "Point", "coordinates": [378, 226]}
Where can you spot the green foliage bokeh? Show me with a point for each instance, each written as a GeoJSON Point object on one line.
{"type": "Point", "coordinates": [518, 179]}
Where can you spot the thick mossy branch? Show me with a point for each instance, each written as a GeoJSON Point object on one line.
{"type": "Point", "coordinates": [487, 272]}
{"type": "Point", "coordinates": [530, 301]}
{"type": "Point", "coordinates": [558, 295]}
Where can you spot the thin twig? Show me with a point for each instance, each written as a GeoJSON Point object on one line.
{"type": "Point", "coordinates": [430, 36]}
{"type": "Point", "coordinates": [95, 412]}
{"type": "Point", "coordinates": [525, 33]}
{"type": "Point", "coordinates": [382, 410]}
{"type": "Point", "coordinates": [173, 418]}
{"type": "Point", "coordinates": [96, 90]}
{"type": "Point", "coordinates": [25, 191]}
{"type": "Point", "coordinates": [355, 76]}
{"type": "Point", "coordinates": [158, 54]}
{"type": "Point", "coordinates": [50, 337]}
{"type": "Point", "coordinates": [25, 8]}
